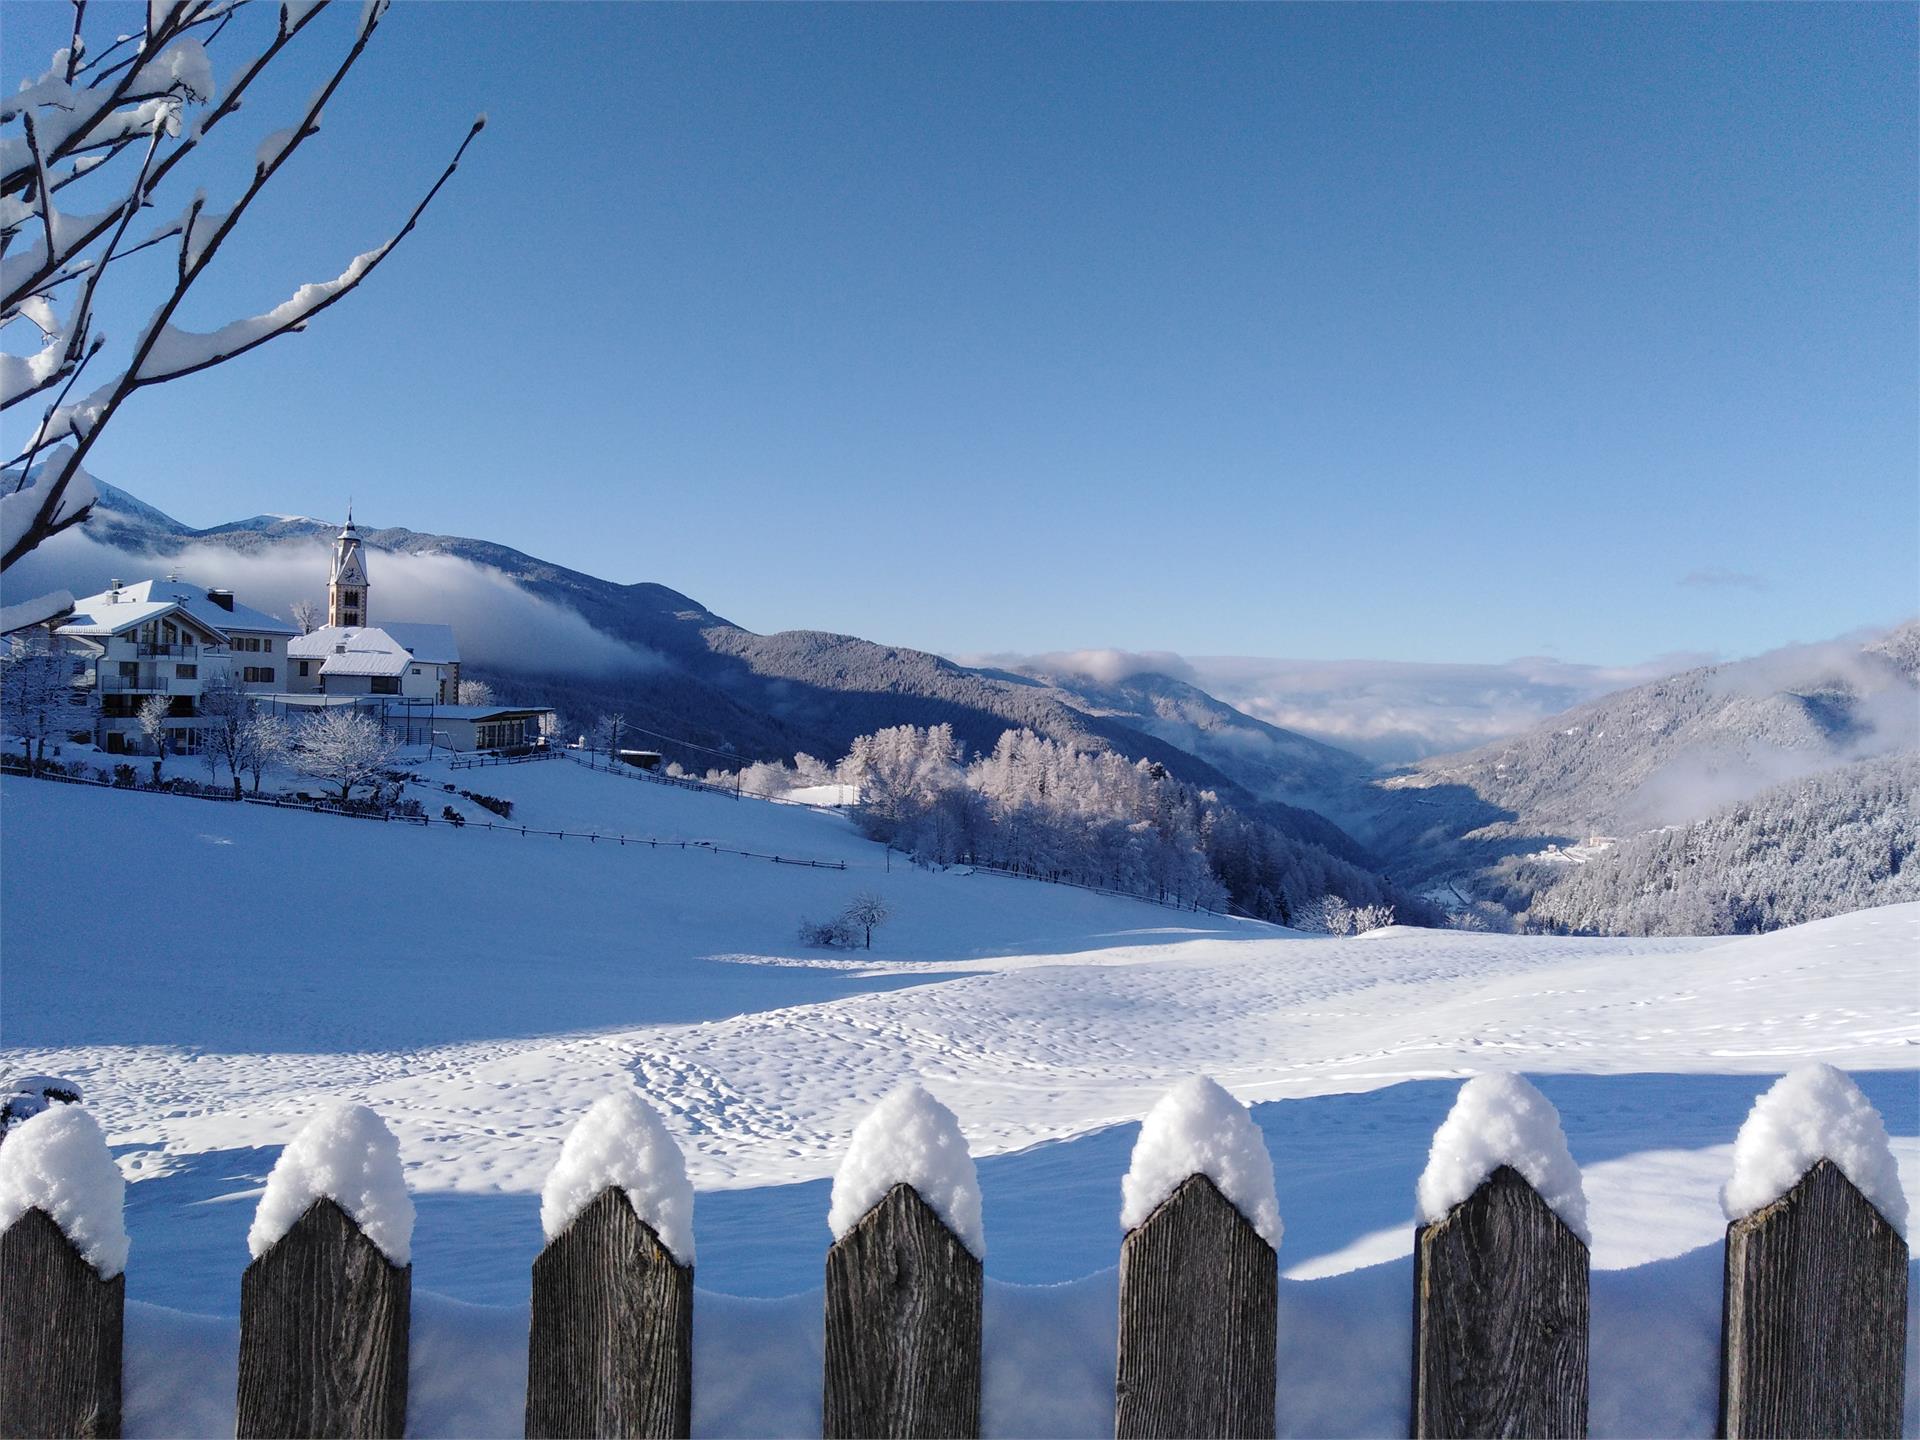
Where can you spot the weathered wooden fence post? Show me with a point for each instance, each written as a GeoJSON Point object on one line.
{"type": "Point", "coordinates": [1814, 1320]}
{"type": "Point", "coordinates": [1500, 1318]}
{"type": "Point", "coordinates": [903, 1326]}
{"type": "Point", "coordinates": [61, 1308]}
{"type": "Point", "coordinates": [1814, 1330]}
{"type": "Point", "coordinates": [611, 1349]}
{"type": "Point", "coordinates": [1199, 1300]}
{"type": "Point", "coordinates": [324, 1309]}
{"type": "Point", "coordinates": [1500, 1276]}
{"type": "Point", "coordinates": [904, 1281]}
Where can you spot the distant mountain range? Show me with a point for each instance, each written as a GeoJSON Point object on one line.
{"type": "Point", "coordinates": [709, 691]}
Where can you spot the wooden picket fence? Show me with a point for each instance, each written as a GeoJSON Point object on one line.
{"type": "Point", "coordinates": [1813, 1333]}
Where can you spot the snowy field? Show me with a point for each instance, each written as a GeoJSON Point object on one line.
{"type": "Point", "coordinates": [211, 974]}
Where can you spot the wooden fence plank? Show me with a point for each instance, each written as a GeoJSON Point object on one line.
{"type": "Point", "coordinates": [323, 1334]}
{"type": "Point", "coordinates": [1814, 1327]}
{"type": "Point", "coordinates": [1199, 1299]}
{"type": "Point", "coordinates": [903, 1326]}
{"type": "Point", "coordinates": [1500, 1318]}
{"type": "Point", "coordinates": [611, 1349]}
{"type": "Point", "coordinates": [61, 1328]}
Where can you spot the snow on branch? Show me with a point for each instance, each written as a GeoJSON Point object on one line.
{"type": "Point", "coordinates": [83, 116]}
{"type": "Point", "coordinates": [1813, 1113]}
{"type": "Point", "coordinates": [621, 1141]}
{"type": "Point", "coordinates": [1501, 1119]}
{"type": "Point", "coordinates": [910, 1138]}
{"type": "Point", "coordinates": [1197, 1128]}
{"type": "Point", "coordinates": [346, 1155]}
{"type": "Point", "coordinates": [57, 1161]}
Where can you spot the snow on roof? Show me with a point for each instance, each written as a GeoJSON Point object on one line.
{"type": "Point", "coordinates": [411, 643]}
{"type": "Point", "coordinates": [488, 712]}
{"type": "Point", "coordinates": [354, 661]}
{"type": "Point", "coordinates": [910, 1138]}
{"type": "Point", "coordinates": [1501, 1119]}
{"type": "Point", "coordinates": [620, 1141]}
{"type": "Point", "coordinates": [58, 1162]}
{"type": "Point", "coordinates": [112, 611]}
{"type": "Point", "coordinates": [1813, 1113]}
{"type": "Point", "coordinates": [1197, 1128]}
{"type": "Point", "coordinates": [345, 1154]}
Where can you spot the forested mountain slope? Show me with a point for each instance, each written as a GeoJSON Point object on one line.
{"type": "Point", "coordinates": [1847, 839]}
{"type": "Point", "coordinates": [1663, 753]}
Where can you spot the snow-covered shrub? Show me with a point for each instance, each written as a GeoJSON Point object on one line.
{"type": "Point", "coordinates": [837, 932]}
{"type": "Point", "coordinates": [1372, 917]}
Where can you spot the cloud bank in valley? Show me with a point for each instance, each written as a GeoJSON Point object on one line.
{"type": "Point", "coordinates": [1389, 711]}
{"type": "Point", "coordinates": [499, 623]}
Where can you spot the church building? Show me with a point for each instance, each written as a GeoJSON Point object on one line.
{"type": "Point", "coordinates": [350, 655]}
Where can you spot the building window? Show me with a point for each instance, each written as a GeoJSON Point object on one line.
{"type": "Point", "coordinates": [267, 645]}
{"type": "Point", "coordinates": [187, 672]}
{"type": "Point", "coordinates": [258, 674]}
{"type": "Point", "coordinates": [304, 671]}
{"type": "Point", "coordinates": [129, 670]}
{"type": "Point", "coordinates": [386, 685]}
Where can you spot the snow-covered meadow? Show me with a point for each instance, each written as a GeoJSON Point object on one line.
{"type": "Point", "coordinates": [215, 975]}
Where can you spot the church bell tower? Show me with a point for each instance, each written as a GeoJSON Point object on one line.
{"type": "Point", "coordinates": [347, 585]}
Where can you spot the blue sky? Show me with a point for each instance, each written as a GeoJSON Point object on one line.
{"type": "Point", "coordinates": [1417, 333]}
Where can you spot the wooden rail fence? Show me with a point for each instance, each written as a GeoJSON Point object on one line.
{"type": "Point", "coordinates": [1813, 1334]}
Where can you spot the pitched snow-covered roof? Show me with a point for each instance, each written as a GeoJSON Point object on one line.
{"type": "Point", "coordinates": [488, 712]}
{"type": "Point", "coordinates": [98, 616]}
{"type": "Point", "coordinates": [421, 644]}
{"type": "Point", "coordinates": [112, 611]}
{"type": "Point", "coordinates": [375, 649]}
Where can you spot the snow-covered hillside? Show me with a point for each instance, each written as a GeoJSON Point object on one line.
{"type": "Point", "coordinates": [213, 974]}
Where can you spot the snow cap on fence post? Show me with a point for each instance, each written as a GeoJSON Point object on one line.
{"type": "Point", "coordinates": [345, 1154]}
{"type": "Point", "coordinates": [621, 1141]}
{"type": "Point", "coordinates": [1197, 1128]}
{"type": "Point", "coordinates": [910, 1138]}
{"type": "Point", "coordinates": [1501, 1119]}
{"type": "Point", "coordinates": [1813, 1113]}
{"type": "Point", "coordinates": [58, 1161]}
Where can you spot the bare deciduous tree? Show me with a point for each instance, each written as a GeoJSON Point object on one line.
{"type": "Point", "coordinates": [607, 733]}
{"type": "Point", "coordinates": [225, 711]}
{"type": "Point", "coordinates": [266, 741]}
{"type": "Point", "coordinates": [306, 615]}
{"type": "Point", "coordinates": [344, 749]}
{"type": "Point", "coordinates": [130, 103]}
{"type": "Point", "coordinates": [865, 911]}
{"type": "Point", "coordinates": [36, 695]}
{"type": "Point", "coordinates": [475, 692]}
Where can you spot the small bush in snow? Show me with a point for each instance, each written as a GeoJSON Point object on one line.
{"type": "Point", "coordinates": [837, 932]}
{"type": "Point", "coordinates": [1372, 917]}
{"type": "Point", "coordinates": [452, 816]}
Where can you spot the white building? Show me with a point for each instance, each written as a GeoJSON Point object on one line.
{"type": "Point", "coordinates": [171, 639]}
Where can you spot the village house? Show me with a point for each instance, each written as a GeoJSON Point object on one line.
{"type": "Point", "coordinates": [172, 639]}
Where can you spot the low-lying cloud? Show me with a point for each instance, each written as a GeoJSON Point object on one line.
{"type": "Point", "coordinates": [499, 624]}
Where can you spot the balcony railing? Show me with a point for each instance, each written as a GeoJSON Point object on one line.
{"type": "Point", "coordinates": [151, 683]}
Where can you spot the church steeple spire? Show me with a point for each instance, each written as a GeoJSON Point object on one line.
{"type": "Point", "coordinates": [347, 585]}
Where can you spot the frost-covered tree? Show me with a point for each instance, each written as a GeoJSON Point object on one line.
{"type": "Point", "coordinates": [37, 699]}
{"type": "Point", "coordinates": [86, 146]}
{"type": "Point", "coordinates": [266, 741]}
{"type": "Point", "coordinates": [343, 748]}
{"type": "Point", "coordinates": [607, 732]}
{"type": "Point", "coordinates": [225, 712]}
{"type": "Point", "coordinates": [307, 615]}
{"type": "Point", "coordinates": [152, 719]}
{"type": "Point", "coordinates": [865, 911]}
{"type": "Point", "coordinates": [475, 692]}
